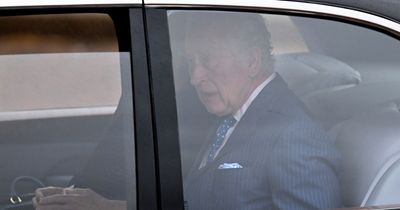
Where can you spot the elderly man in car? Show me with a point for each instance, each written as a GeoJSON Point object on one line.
{"type": "Point", "coordinates": [266, 152]}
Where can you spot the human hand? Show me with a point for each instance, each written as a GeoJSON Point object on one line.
{"type": "Point", "coordinates": [56, 198]}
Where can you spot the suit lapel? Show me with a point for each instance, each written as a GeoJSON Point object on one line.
{"type": "Point", "coordinates": [265, 103]}
{"type": "Point", "coordinates": [260, 110]}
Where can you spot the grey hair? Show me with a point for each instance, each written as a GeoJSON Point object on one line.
{"type": "Point", "coordinates": [248, 28]}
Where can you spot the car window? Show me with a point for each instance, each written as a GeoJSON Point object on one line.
{"type": "Point", "coordinates": [66, 118]}
{"type": "Point", "coordinates": [284, 112]}
{"type": "Point", "coordinates": [34, 54]}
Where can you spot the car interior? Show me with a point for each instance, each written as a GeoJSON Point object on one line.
{"type": "Point", "coordinates": [348, 77]}
{"type": "Point", "coordinates": [361, 111]}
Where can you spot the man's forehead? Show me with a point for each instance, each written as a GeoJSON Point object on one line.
{"type": "Point", "coordinates": [204, 31]}
{"type": "Point", "coordinates": [209, 44]}
{"type": "Point", "coordinates": [210, 37]}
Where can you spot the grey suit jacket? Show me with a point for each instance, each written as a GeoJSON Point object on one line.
{"type": "Point", "coordinates": [287, 160]}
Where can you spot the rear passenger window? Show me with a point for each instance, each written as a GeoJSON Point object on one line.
{"type": "Point", "coordinates": [66, 118]}
{"type": "Point", "coordinates": [72, 66]}
{"type": "Point", "coordinates": [285, 112]}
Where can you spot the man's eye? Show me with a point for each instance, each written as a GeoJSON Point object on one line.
{"type": "Point", "coordinates": [209, 62]}
{"type": "Point", "coordinates": [204, 59]}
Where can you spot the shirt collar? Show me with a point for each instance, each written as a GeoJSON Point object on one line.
{"type": "Point", "coordinates": [239, 113]}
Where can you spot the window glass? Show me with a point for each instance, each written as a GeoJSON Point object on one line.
{"type": "Point", "coordinates": [34, 82]}
{"type": "Point", "coordinates": [285, 112]}
{"type": "Point", "coordinates": [66, 118]}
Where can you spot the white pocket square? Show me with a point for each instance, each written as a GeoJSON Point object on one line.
{"type": "Point", "coordinates": [230, 166]}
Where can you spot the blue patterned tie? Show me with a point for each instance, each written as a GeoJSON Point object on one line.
{"type": "Point", "coordinates": [223, 128]}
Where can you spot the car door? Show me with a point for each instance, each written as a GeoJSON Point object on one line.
{"type": "Point", "coordinates": [76, 109]}
{"type": "Point", "coordinates": [338, 58]}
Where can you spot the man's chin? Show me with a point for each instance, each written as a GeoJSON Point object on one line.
{"type": "Point", "coordinates": [218, 111]}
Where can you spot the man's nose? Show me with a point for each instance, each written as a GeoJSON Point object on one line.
{"type": "Point", "coordinates": [198, 74]}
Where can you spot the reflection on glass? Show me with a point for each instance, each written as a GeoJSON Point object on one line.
{"type": "Point", "coordinates": [263, 150]}
{"type": "Point", "coordinates": [313, 126]}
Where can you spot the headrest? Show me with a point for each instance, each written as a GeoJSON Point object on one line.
{"type": "Point", "coordinates": [308, 72]}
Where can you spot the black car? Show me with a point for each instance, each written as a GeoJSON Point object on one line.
{"type": "Point", "coordinates": [100, 99]}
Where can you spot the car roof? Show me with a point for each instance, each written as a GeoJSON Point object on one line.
{"type": "Point", "coordinates": [388, 7]}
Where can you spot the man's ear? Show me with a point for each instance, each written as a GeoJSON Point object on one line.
{"type": "Point", "coordinates": [255, 61]}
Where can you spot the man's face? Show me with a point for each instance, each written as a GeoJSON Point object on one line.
{"type": "Point", "coordinates": [218, 72]}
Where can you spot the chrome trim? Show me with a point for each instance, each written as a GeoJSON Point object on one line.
{"type": "Point", "coordinates": [34, 3]}
{"type": "Point", "coordinates": [287, 6]}
{"type": "Point", "coordinates": [15, 200]}
{"type": "Point", "coordinates": [54, 113]}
